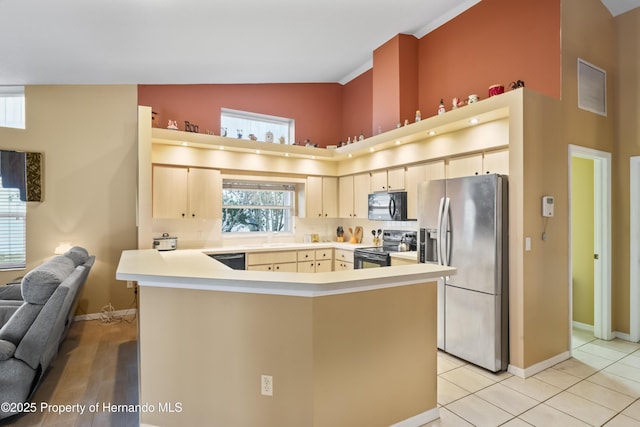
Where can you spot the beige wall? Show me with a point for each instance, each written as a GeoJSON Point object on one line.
{"type": "Point", "coordinates": [627, 110]}
{"type": "Point", "coordinates": [360, 359]}
{"type": "Point", "coordinates": [582, 239]}
{"type": "Point", "coordinates": [87, 135]}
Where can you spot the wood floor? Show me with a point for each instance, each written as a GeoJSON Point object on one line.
{"type": "Point", "coordinates": [97, 364]}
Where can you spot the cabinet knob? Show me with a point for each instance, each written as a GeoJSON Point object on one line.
{"type": "Point", "coordinates": [193, 215]}
{"type": "Point", "coordinates": [183, 215]}
{"type": "Point", "coordinates": [269, 268]}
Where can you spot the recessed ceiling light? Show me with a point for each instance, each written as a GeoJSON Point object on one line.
{"type": "Point", "coordinates": [313, 157]}
{"type": "Point", "coordinates": [473, 121]}
{"type": "Point", "coordinates": [350, 155]}
{"type": "Point", "coordinates": [398, 142]}
{"type": "Point", "coordinates": [184, 143]}
{"type": "Point", "coordinates": [221, 147]}
{"type": "Point", "coordinates": [286, 154]}
{"type": "Point", "coordinates": [257, 151]}
{"type": "Point", "coordinates": [371, 150]}
{"type": "Point", "coordinates": [432, 132]}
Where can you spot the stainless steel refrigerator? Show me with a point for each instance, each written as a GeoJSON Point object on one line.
{"type": "Point", "coordinates": [463, 223]}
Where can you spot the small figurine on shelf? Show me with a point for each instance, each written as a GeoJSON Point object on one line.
{"type": "Point", "coordinates": [281, 139]}
{"type": "Point", "coordinates": [223, 132]}
{"type": "Point", "coordinates": [361, 137]}
{"type": "Point", "coordinates": [253, 137]}
{"type": "Point", "coordinates": [173, 124]}
{"type": "Point", "coordinates": [418, 116]}
{"type": "Point", "coordinates": [269, 136]}
{"type": "Point", "coordinates": [239, 133]}
{"type": "Point", "coordinates": [441, 109]}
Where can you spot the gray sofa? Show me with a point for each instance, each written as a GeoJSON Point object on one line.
{"type": "Point", "coordinates": [33, 324]}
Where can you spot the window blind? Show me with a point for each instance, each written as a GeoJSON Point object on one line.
{"type": "Point", "coordinates": [13, 214]}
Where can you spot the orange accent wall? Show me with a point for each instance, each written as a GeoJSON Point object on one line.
{"type": "Point", "coordinates": [316, 107]}
{"type": "Point", "coordinates": [493, 42]}
{"type": "Point", "coordinates": [357, 106]}
{"type": "Point", "coordinates": [395, 82]}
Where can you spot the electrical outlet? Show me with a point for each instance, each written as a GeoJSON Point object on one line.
{"type": "Point", "coordinates": [266, 388]}
{"type": "Point", "coordinates": [129, 284]}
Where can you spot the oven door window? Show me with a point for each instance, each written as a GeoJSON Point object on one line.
{"type": "Point", "coordinates": [364, 260]}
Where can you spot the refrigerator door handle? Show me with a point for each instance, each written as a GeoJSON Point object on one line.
{"type": "Point", "coordinates": [446, 213]}
{"type": "Point", "coordinates": [439, 241]}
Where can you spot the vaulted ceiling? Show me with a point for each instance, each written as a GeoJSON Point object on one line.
{"type": "Point", "coordinates": [197, 41]}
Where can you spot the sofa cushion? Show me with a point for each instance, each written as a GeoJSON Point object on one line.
{"type": "Point", "coordinates": [11, 291]}
{"type": "Point", "coordinates": [78, 255]}
{"type": "Point", "coordinates": [42, 281]}
{"type": "Point", "coordinates": [7, 348]}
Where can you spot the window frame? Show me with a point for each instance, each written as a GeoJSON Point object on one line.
{"type": "Point", "coordinates": [261, 118]}
{"type": "Point", "coordinates": [12, 92]}
{"type": "Point", "coordinates": [266, 183]}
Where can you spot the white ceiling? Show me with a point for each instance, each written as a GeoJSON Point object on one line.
{"type": "Point", "coordinates": [215, 41]}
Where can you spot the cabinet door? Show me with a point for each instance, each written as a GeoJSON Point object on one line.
{"type": "Point", "coordinates": [435, 170]}
{"type": "Point", "coordinates": [313, 197]}
{"type": "Point", "coordinates": [396, 179]}
{"type": "Point", "coordinates": [260, 267]}
{"type": "Point", "coordinates": [414, 176]}
{"type": "Point", "coordinates": [205, 193]}
{"type": "Point", "coordinates": [361, 190]}
{"type": "Point", "coordinates": [345, 197]}
{"type": "Point", "coordinates": [286, 267]}
{"type": "Point", "coordinates": [330, 197]}
{"type": "Point", "coordinates": [324, 266]}
{"type": "Point", "coordinates": [378, 181]}
{"type": "Point", "coordinates": [343, 265]}
{"type": "Point", "coordinates": [307, 267]}
{"type": "Point", "coordinates": [464, 166]}
{"type": "Point", "coordinates": [170, 192]}
{"type": "Point", "coordinates": [344, 255]}
{"type": "Point", "coordinates": [496, 162]}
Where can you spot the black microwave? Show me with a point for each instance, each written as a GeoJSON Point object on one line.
{"type": "Point", "coordinates": [388, 206]}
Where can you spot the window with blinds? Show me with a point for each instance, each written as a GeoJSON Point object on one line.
{"type": "Point", "coordinates": [13, 214]}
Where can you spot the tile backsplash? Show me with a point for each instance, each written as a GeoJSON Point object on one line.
{"type": "Point", "coordinates": [194, 234]}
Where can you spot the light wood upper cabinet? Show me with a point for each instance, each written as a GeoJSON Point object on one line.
{"type": "Point", "coordinates": [479, 164]}
{"type": "Point", "coordinates": [396, 179]}
{"type": "Point", "coordinates": [180, 192]}
{"type": "Point", "coordinates": [435, 170]}
{"type": "Point", "coordinates": [464, 166]}
{"type": "Point", "coordinates": [388, 180]}
{"type": "Point", "coordinates": [353, 191]}
{"type": "Point", "coordinates": [321, 197]}
{"type": "Point", "coordinates": [496, 162]}
{"type": "Point", "coordinates": [414, 176]}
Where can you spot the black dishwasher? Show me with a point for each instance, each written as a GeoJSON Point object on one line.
{"type": "Point", "coordinates": [234, 260]}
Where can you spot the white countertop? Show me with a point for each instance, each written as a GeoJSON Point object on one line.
{"type": "Point", "coordinates": [272, 247]}
{"type": "Point", "coordinates": [193, 269]}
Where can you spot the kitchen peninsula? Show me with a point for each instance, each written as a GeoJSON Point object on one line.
{"type": "Point", "coordinates": [345, 348]}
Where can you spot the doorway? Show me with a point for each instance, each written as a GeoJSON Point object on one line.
{"type": "Point", "coordinates": [601, 214]}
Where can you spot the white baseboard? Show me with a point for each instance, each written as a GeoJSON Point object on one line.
{"type": "Point", "coordinates": [623, 336]}
{"type": "Point", "coordinates": [538, 367]}
{"type": "Point", "coordinates": [420, 419]}
{"type": "Point", "coordinates": [582, 326]}
{"type": "Point", "coordinates": [98, 316]}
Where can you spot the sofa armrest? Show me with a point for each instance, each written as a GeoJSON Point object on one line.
{"type": "Point", "coordinates": [7, 349]}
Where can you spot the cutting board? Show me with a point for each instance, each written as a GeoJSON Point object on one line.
{"type": "Point", "coordinates": [358, 234]}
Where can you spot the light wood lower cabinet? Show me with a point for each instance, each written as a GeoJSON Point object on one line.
{"type": "Point", "coordinates": [304, 261]}
{"type": "Point", "coordinates": [343, 260]}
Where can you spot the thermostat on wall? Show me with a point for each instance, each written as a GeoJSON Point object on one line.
{"type": "Point", "coordinates": [547, 206]}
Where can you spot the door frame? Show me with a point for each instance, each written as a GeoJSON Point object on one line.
{"type": "Point", "coordinates": [602, 239]}
{"type": "Point", "coordinates": [634, 249]}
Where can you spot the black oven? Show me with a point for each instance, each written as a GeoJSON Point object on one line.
{"type": "Point", "coordinates": [375, 256]}
{"type": "Point", "coordinates": [379, 256]}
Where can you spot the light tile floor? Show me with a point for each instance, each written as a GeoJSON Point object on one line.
{"type": "Point", "coordinates": [599, 385]}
